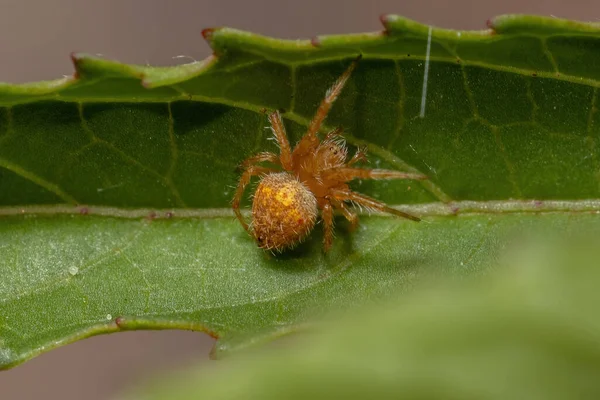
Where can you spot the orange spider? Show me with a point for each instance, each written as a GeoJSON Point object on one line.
{"type": "Point", "coordinates": [314, 176]}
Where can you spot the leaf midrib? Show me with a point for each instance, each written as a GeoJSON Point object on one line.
{"type": "Point", "coordinates": [435, 209]}
{"type": "Point", "coordinates": [342, 266]}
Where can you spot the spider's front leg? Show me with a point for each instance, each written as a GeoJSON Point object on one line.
{"type": "Point", "coordinates": [260, 157]}
{"type": "Point", "coordinates": [310, 140]}
{"type": "Point", "coordinates": [360, 155]}
{"type": "Point", "coordinates": [249, 172]}
{"type": "Point", "coordinates": [251, 169]}
{"type": "Point", "coordinates": [285, 151]}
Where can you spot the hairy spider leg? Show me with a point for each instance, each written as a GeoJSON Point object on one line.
{"type": "Point", "coordinates": [327, 215]}
{"type": "Point", "coordinates": [309, 141]}
{"type": "Point", "coordinates": [368, 202]}
{"type": "Point", "coordinates": [349, 215]}
{"type": "Point", "coordinates": [249, 172]}
{"type": "Point", "coordinates": [285, 151]}
{"type": "Point", "coordinates": [345, 174]}
{"type": "Point", "coordinates": [250, 169]}
{"type": "Point", "coordinates": [360, 155]}
{"type": "Point", "coordinates": [260, 157]}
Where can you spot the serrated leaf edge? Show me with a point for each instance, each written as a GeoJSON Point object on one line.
{"type": "Point", "coordinates": [89, 68]}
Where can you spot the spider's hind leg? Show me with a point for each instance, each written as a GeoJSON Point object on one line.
{"type": "Point", "coordinates": [265, 156]}
{"type": "Point", "coordinates": [368, 202]}
{"type": "Point", "coordinates": [345, 174]}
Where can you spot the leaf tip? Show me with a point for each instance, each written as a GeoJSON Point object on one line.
{"type": "Point", "coordinates": [491, 24]}
{"type": "Point", "coordinates": [75, 59]}
{"type": "Point", "coordinates": [208, 33]}
{"type": "Point", "coordinates": [396, 24]}
{"type": "Point", "coordinates": [385, 20]}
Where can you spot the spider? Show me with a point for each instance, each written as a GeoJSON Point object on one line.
{"type": "Point", "coordinates": [314, 177]}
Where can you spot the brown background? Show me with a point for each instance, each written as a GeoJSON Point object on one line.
{"type": "Point", "coordinates": [36, 37]}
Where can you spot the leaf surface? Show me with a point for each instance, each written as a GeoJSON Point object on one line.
{"type": "Point", "coordinates": [115, 184]}
{"type": "Point", "coordinates": [529, 332]}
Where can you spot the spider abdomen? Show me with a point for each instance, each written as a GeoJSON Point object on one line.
{"type": "Point", "coordinates": [284, 211]}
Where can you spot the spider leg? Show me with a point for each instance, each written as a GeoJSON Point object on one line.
{"type": "Point", "coordinates": [360, 155]}
{"type": "Point", "coordinates": [309, 141]}
{"type": "Point", "coordinates": [285, 151]}
{"type": "Point", "coordinates": [249, 172]}
{"type": "Point", "coordinates": [361, 199]}
{"type": "Point", "coordinates": [260, 157]}
{"type": "Point", "coordinates": [349, 215]}
{"type": "Point", "coordinates": [344, 174]}
{"type": "Point", "coordinates": [327, 215]}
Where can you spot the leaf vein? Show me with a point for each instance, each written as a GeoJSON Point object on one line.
{"type": "Point", "coordinates": [38, 180]}
{"type": "Point", "coordinates": [66, 278]}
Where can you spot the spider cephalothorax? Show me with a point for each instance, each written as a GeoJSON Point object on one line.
{"type": "Point", "coordinates": [314, 177]}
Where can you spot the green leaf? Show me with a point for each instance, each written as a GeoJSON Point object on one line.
{"type": "Point", "coordinates": [115, 184]}
{"type": "Point", "coordinates": [530, 332]}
